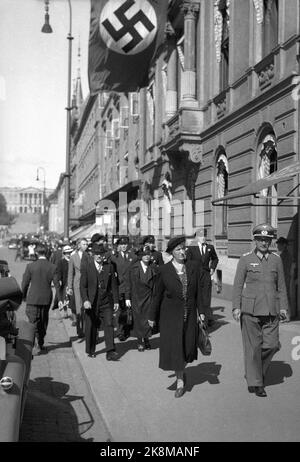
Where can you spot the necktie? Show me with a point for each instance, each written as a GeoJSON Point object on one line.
{"type": "Point", "coordinates": [203, 249]}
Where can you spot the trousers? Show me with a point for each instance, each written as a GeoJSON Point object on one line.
{"type": "Point", "coordinates": [39, 316]}
{"type": "Point", "coordinates": [103, 314]}
{"type": "Point", "coordinates": [260, 335]}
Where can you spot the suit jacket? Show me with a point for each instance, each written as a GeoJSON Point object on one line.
{"type": "Point", "coordinates": [168, 304]}
{"type": "Point", "coordinates": [62, 279]}
{"type": "Point", "coordinates": [122, 265]}
{"type": "Point", "coordinates": [265, 291]}
{"type": "Point", "coordinates": [208, 260]}
{"type": "Point", "coordinates": [89, 282]}
{"type": "Point", "coordinates": [36, 282]}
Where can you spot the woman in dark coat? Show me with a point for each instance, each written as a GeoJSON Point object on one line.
{"type": "Point", "coordinates": [139, 291]}
{"type": "Point", "coordinates": [177, 303]}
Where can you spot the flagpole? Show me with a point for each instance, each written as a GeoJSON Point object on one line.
{"type": "Point", "coordinates": [68, 132]}
{"type": "Point", "coordinates": [48, 29]}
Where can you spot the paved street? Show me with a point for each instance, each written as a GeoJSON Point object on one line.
{"type": "Point", "coordinates": [59, 406]}
{"type": "Point", "coordinates": [136, 399]}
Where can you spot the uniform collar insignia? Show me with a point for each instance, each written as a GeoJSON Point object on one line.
{"type": "Point", "coordinates": [262, 255]}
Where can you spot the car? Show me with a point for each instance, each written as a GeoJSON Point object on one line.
{"type": "Point", "coordinates": [13, 243]}
{"type": "Point", "coordinates": [4, 270]}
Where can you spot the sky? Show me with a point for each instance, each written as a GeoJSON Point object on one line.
{"type": "Point", "coordinates": [33, 87]}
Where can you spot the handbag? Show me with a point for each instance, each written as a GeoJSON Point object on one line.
{"type": "Point", "coordinates": [203, 341]}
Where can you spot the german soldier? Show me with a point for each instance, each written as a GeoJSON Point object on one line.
{"type": "Point", "coordinates": [257, 306]}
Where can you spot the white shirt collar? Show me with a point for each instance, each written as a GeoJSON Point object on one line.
{"type": "Point", "coordinates": [178, 266]}
{"type": "Point", "coordinates": [144, 266]}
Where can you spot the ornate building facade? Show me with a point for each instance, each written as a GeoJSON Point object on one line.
{"type": "Point", "coordinates": [220, 112]}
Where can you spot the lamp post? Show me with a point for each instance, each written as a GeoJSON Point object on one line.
{"type": "Point", "coordinates": [47, 29]}
{"type": "Point", "coordinates": [44, 195]}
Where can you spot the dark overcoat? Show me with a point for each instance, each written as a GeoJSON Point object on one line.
{"type": "Point", "coordinates": [37, 280]}
{"type": "Point", "coordinates": [178, 340]}
{"type": "Point", "coordinates": [139, 289]}
{"type": "Point", "coordinates": [89, 283]}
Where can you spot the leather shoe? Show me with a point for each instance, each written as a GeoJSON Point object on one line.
{"type": "Point", "coordinates": [251, 389]}
{"type": "Point", "coordinates": [112, 356]}
{"type": "Point", "coordinates": [260, 391]}
{"type": "Point", "coordinates": [122, 338]}
{"type": "Point", "coordinates": [147, 344]}
{"type": "Point", "coordinates": [179, 392]}
{"type": "Point", "coordinates": [91, 355]}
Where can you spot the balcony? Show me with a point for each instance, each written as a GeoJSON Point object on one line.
{"type": "Point", "coordinates": [182, 130]}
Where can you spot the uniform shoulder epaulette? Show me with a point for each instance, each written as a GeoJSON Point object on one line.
{"type": "Point", "coordinates": [245, 254]}
{"type": "Point", "coordinates": [275, 253]}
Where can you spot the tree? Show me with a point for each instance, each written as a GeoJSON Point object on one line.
{"type": "Point", "coordinates": [2, 204]}
{"type": "Point", "coordinates": [5, 217]}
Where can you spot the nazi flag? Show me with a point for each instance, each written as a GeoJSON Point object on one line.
{"type": "Point", "coordinates": [125, 36]}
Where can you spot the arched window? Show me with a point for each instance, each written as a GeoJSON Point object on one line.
{"type": "Point", "coordinates": [267, 164]}
{"type": "Point", "coordinates": [221, 191]}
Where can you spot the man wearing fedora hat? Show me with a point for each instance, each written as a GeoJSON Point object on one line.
{"type": "Point", "coordinates": [206, 256]}
{"type": "Point", "coordinates": [259, 306]}
{"type": "Point", "coordinates": [122, 260]}
{"type": "Point", "coordinates": [99, 293]}
{"type": "Point", "coordinates": [62, 279]}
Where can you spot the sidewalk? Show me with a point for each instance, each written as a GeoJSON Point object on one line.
{"type": "Point", "coordinates": [136, 398]}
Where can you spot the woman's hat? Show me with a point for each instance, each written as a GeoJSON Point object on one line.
{"type": "Point", "coordinates": [174, 242]}
{"type": "Point", "coordinates": [143, 250]}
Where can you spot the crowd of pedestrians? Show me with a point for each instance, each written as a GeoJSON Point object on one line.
{"type": "Point", "coordinates": [137, 291]}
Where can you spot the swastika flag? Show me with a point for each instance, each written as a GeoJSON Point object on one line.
{"type": "Point", "coordinates": [124, 38]}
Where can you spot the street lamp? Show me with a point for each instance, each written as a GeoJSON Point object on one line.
{"type": "Point", "coordinates": [44, 194]}
{"type": "Point", "coordinates": [47, 29]}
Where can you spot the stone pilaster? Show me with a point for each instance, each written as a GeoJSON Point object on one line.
{"type": "Point", "coordinates": [171, 97]}
{"type": "Point", "coordinates": [190, 10]}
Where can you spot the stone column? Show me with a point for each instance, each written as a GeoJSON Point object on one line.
{"type": "Point", "coordinates": [191, 10]}
{"type": "Point", "coordinates": [171, 97]}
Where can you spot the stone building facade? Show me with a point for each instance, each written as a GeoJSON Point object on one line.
{"type": "Point", "coordinates": [220, 112]}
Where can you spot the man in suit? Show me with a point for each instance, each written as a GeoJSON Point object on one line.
{"type": "Point", "coordinates": [259, 306]}
{"type": "Point", "coordinates": [122, 260]}
{"type": "Point", "coordinates": [155, 256]}
{"type": "Point", "coordinates": [99, 293]}
{"type": "Point", "coordinates": [206, 256]}
{"type": "Point", "coordinates": [62, 276]}
{"type": "Point", "coordinates": [74, 283]}
{"type": "Point", "coordinates": [37, 291]}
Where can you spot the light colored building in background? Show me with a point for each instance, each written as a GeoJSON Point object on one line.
{"type": "Point", "coordinates": [25, 200]}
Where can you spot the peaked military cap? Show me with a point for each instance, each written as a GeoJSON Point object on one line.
{"type": "Point", "coordinates": [123, 240]}
{"type": "Point", "coordinates": [264, 230]}
{"type": "Point", "coordinates": [174, 242]}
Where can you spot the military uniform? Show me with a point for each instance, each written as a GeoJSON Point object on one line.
{"type": "Point", "coordinates": [260, 303]}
